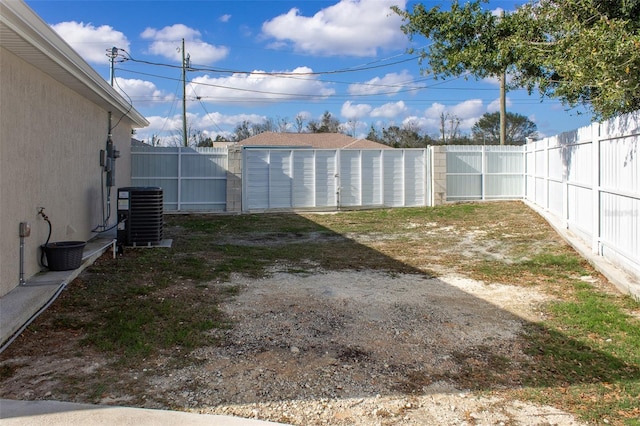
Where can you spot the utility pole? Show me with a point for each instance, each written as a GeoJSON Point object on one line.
{"type": "Point", "coordinates": [185, 138]}
{"type": "Point", "coordinates": [112, 54]}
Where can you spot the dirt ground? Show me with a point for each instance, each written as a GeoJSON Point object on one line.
{"type": "Point", "coordinates": [324, 347]}
{"type": "Point", "coordinates": [367, 348]}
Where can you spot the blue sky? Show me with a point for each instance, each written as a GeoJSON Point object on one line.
{"type": "Point", "coordinates": [279, 59]}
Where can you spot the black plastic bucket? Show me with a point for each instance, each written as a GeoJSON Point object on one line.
{"type": "Point", "coordinates": [64, 255]}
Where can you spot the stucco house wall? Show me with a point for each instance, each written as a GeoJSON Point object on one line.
{"type": "Point", "coordinates": [54, 120]}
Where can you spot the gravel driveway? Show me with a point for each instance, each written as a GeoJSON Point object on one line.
{"type": "Point", "coordinates": [364, 348]}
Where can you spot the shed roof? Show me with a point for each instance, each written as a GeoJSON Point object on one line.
{"type": "Point", "coordinates": [26, 35]}
{"type": "Point", "coordinates": [312, 140]}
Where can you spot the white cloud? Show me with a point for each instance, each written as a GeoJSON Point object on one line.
{"type": "Point", "coordinates": [468, 112]}
{"type": "Point", "coordinates": [167, 42]}
{"type": "Point", "coordinates": [225, 18]}
{"type": "Point", "coordinates": [468, 109]}
{"type": "Point", "coordinates": [259, 86]}
{"type": "Point", "coordinates": [91, 42]}
{"type": "Point", "coordinates": [354, 112]}
{"type": "Point", "coordinates": [349, 27]}
{"type": "Point", "coordinates": [141, 92]}
{"type": "Point", "coordinates": [210, 124]}
{"type": "Point", "coordinates": [305, 115]}
{"type": "Point", "coordinates": [389, 84]}
{"type": "Point", "coordinates": [390, 110]}
{"type": "Point", "coordinates": [435, 110]}
{"type": "Point", "coordinates": [495, 105]}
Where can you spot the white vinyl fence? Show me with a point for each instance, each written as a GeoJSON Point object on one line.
{"type": "Point", "coordinates": [590, 180]}
{"type": "Point", "coordinates": [191, 179]}
{"type": "Point", "coordinates": [286, 178]}
{"type": "Point", "coordinates": [485, 172]}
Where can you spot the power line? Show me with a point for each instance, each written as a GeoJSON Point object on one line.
{"type": "Point", "coordinates": [202, 68]}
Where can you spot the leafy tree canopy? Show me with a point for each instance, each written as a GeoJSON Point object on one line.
{"type": "Point", "coordinates": [487, 130]}
{"type": "Point", "coordinates": [578, 51]}
{"type": "Point", "coordinates": [467, 39]}
{"type": "Point", "coordinates": [583, 51]}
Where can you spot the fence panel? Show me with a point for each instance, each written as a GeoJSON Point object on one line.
{"type": "Point", "coordinates": [371, 167]}
{"type": "Point", "coordinates": [415, 177]}
{"type": "Point", "coordinates": [485, 172]}
{"type": "Point", "coordinates": [191, 179]}
{"type": "Point", "coordinates": [326, 171]}
{"type": "Point", "coordinates": [350, 178]}
{"type": "Point", "coordinates": [619, 165]}
{"type": "Point", "coordinates": [393, 183]}
{"type": "Point", "coordinates": [303, 179]}
{"type": "Point", "coordinates": [590, 180]}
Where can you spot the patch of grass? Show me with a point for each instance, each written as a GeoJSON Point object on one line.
{"type": "Point", "coordinates": [587, 358]}
{"type": "Point", "coordinates": [559, 265]}
{"type": "Point", "coordinates": [6, 371]}
{"type": "Point", "coordinates": [144, 302]}
{"type": "Point", "coordinates": [551, 264]}
{"type": "Point", "coordinates": [139, 327]}
{"type": "Point", "coordinates": [97, 392]}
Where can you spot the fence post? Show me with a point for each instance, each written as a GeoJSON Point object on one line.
{"type": "Point", "coordinates": [595, 187]}
{"type": "Point", "coordinates": [179, 178]}
{"type": "Point", "coordinates": [525, 149]}
{"type": "Point", "coordinates": [439, 174]}
{"type": "Point", "coordinates": [565, 188]}
{"type": "Point", "coordinates": [426, 181]}
{"type": "Point", "coordinates": [234, 179]}
{"type": "Point", "coordinates": [483, 171]}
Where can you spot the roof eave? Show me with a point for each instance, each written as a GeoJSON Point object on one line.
{"type": "Point", "coordinates": [61, 61]}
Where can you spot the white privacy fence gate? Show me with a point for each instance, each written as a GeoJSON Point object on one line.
{"type": "Point", "coordinates": [192, 179]}
{"type": "Point", "coordinates": [590, 180]}
{"type": "Point", "coordinates": [298, 178]}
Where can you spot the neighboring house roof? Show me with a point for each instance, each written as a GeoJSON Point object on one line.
{"type": "Point", "coordinates": [137, 142]}
{"type": "Point", "coordinates": [27, 36]}
{"type": "Point", "coordinates": [312, 140]}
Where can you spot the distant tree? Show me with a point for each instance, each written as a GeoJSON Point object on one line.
{"type": "Point", "coordinates": [487, 130]}
{"type": "Point", "coordinates": [351, 127]}
{"type": "Point", "coordinates": [374, 134]}
{"type": "Point", "coordinates": [155, 140]}
{"type": "Point", "coordinates": [392, 136]}
{"type": "Point", "coordinates": [205, 143]}
{"type": "Point", "coordinates": [242, 131]}
{"type": "Point", "coordinates": [449, 126]}
{"type": "Point", "coordinates": [405, 136]}
{"type": "Point", "coordinates": [283, 124]}
{"type": "Point", "coordinates": [327, 124]}
{"type": "Point", "coordinates": [299, 123]}
{"type": "Point", "coordinates": [194, 137]}
{"type": "Point", "coordinates": [246, 129]}
{"type": "Point", "coordinates": [268, 125]}
{"type": "Point", "coordinates": [208, 142]}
